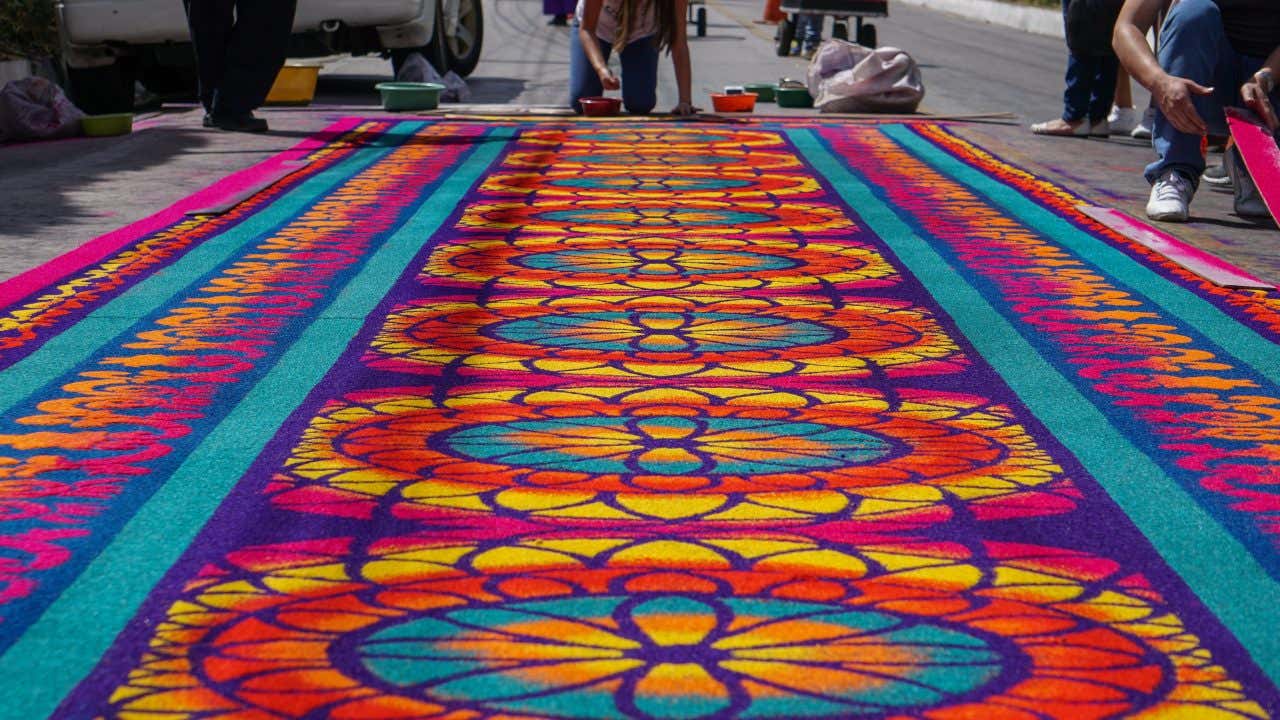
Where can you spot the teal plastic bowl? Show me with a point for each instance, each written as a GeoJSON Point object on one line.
{"type": "Point", "coordinates": [794, 97]}
{"type": "Point", "coordinates": [410, 95]}
{"type": "Point", "coordinates": [104, 125]}
{"type": "Point", "coordinates": [764, 91]}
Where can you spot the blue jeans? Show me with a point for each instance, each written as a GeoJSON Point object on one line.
{"type": "Point", "coordinates": [1091, 84]}
{"type": "Point", "coordinates": [639, 73]}
{"type": "Point", "coordinates": [1193, 45]}
{"type": "Point", "coordinates": [809, 28]}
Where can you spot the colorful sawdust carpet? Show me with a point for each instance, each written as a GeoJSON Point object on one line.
{"type": "Point", "coordinates": [528, 420]}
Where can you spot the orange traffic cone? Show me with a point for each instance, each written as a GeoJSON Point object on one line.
{"type": "Point", "coordinates": [772, 13]}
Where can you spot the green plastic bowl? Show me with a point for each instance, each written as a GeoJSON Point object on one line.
{"type": "Point", "coordinates": [794, 97]}
{"type": "Point", "coordinates": [764, 91]}
{"type": "Point", "coordinates": [104, 125]}
{"type": "Point", "coordinates": [410, 95]}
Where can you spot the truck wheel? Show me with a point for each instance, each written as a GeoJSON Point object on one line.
{"type": "Point", "coordinates": [840, 31]}
{"type": "Point", "coordinates": [786, 33]}
{"type": "Point", "coordinates": [702, 22]}
{"type": "Point", "coordinates": [462, 48]}
{"type": "Point", "coordinates": [177, 82]}
{"type": "Point", "coordinates": [867, 35]}
{"type": "Point", "coordinates": [102, 90]}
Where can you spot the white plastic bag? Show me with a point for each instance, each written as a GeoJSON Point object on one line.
{"type": "Point", "coordinates": [416, 68]}
{"type": "Point", "coordinates": [34, 108]}
{"type": "Point", "coordinates": [846, 77]}
{"type": "Point", "coordinates": [456, 89]}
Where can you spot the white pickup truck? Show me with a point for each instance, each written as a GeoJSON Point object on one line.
{"type": "Point", "coordinates": [107, 44]}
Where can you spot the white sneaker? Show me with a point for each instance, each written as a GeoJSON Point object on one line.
{"type": "Point", "coordinates": [1170, 197]}
{"type": "Point", "coordinates": [1123, 120]}
{"type": "Point", "coordinates": [1102, 128]}
{"type": "Point", "coordinates": [1217, 175]}
{"type": "Point", "coordinates": [1142, 131]}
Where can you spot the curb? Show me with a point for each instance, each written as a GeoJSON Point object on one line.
{"type": "Point", "coordinates": [1041, 21]}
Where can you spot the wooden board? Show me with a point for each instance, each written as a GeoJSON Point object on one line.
{"type": "Point", "coordinates": [1207, 266]}
{"type": "Point", "coordinates": [224, 204]}
{"type": "Point", "coordinates": [1261, 155]}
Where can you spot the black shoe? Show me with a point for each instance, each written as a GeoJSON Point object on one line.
{"type": "Point", "coordinates": [237, 123]}
{"type": "Point", "coordinates": [208, 120]}
{"type": "Point", "coordinates": [559, 20]}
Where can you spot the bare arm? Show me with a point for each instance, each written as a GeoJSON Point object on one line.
{"type": "Point", "coordinates": [1257, 90]}
{"type": "Point", "coordinates": [680, 61]}
{"type": "Point", "coordinates": [587, 37]}
{"type": "Point", "coordinates": [1172, 94]}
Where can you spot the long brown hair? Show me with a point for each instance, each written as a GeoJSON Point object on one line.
{"type": "Point", "coordinates": [664, 18]}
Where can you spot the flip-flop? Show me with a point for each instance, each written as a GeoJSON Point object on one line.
{"type": "Point", "coordinates": [1050, 128]}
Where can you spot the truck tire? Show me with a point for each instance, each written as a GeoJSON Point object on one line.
{"type": "Point", "coordinates": [172, 76]}
{"type": "Point", "coordinates": [867, 35]}
{"type": "Point", "coordinates": [102, 90]}
{"type": "Point", "coordinates": [462, 49]}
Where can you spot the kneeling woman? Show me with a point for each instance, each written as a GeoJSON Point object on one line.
{"type": "Point", "coordinates": [639, 30]}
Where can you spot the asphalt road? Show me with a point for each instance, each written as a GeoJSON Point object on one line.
{"type": "Point", "coordinates": [59, 195]}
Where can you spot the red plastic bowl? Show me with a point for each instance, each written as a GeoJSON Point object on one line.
{"type": "Point", "coordinates": [600, 106]}
{"type": "Point", "coordinates": [738, 102]}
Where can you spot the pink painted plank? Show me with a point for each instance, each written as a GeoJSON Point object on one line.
{"type": "Point", "coordinates": [1210, 267]}
{"type": "Point", "coordinates": [20, 286]}
{"type": "Point", "coordinates": [284, 170]}
{"type": "Point", "coordinates": [1261, 156]}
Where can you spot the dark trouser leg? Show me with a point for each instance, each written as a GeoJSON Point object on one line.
{"type": "Point", "coordinates": [1103, 87]}
{"type": "Point", "coordinates": [255, 53]}
{"type": "Point", "coordinates": [1075, 97]}
{"type": "Point", "coordinates": [211, 23]}
{"type": "Point", "coordinates": [640, 76]}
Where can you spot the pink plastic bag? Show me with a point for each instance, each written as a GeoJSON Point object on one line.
{"type": "Point", "coordinates": [34, 108]}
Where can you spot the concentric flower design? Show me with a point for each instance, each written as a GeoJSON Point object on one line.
{"type": "Point", "coordinates": [672, 656]}
{"type": "Point", "coordinates": [656, 261]}
{"type": "Point", "coordinates": [670, 445]}
{"type": "Point", "coordinates": [706, 265]}
{"type": "Point", "coordinates": [716, 218]}
{"type": "Point", "coordinates": [665, 332]}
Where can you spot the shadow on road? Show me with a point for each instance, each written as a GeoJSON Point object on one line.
{"type": "Point", "coordinates": [70, 171]}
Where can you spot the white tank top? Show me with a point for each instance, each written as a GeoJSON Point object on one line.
{"type": "Point", "coordinates": [607, 23]}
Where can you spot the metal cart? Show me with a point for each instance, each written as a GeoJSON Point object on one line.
{"type": "Point", "coordinates": [840, 12]}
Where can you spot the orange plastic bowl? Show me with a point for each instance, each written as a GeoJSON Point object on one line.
{"type": "Point", "coordinates": [740, 102]}
{"type": "Point", "coordinates": [600, 106]}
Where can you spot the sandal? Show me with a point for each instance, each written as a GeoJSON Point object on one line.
{"type": "Point", "coordinates": [1062, 128]}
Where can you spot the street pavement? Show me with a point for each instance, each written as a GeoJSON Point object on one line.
{"type": "Point", "coordinates": [55, 196]}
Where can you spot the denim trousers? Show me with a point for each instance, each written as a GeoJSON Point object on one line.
{"type": "Point", "coordinates": [1194, 45]}
{"type": "Point", "coordinates": [1090, 84]}
{"type": "Point", "coordinates": [639, 73]}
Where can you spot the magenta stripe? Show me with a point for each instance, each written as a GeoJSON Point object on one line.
{"type": "Point", "coordinates": [40, 277]}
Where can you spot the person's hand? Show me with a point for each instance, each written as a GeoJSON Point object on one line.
{"type": "Point", "coordinates": [684, 109]}
{"type": "Point", "coordinates": [608, 79]}
{"type": "Point", "coordinates": [1173, 95]}
{"type": "Point", "coordinates": [1256, 94]}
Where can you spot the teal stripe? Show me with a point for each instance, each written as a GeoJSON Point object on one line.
{"type": "Point", "coordinates": [65, 644]}
{"type": "Point", "coordinates": [1236, 339]}
{"type": "Point", "coordinates": [63, 352]}
{"type": "Point", "coordinates": [1190, 539]}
